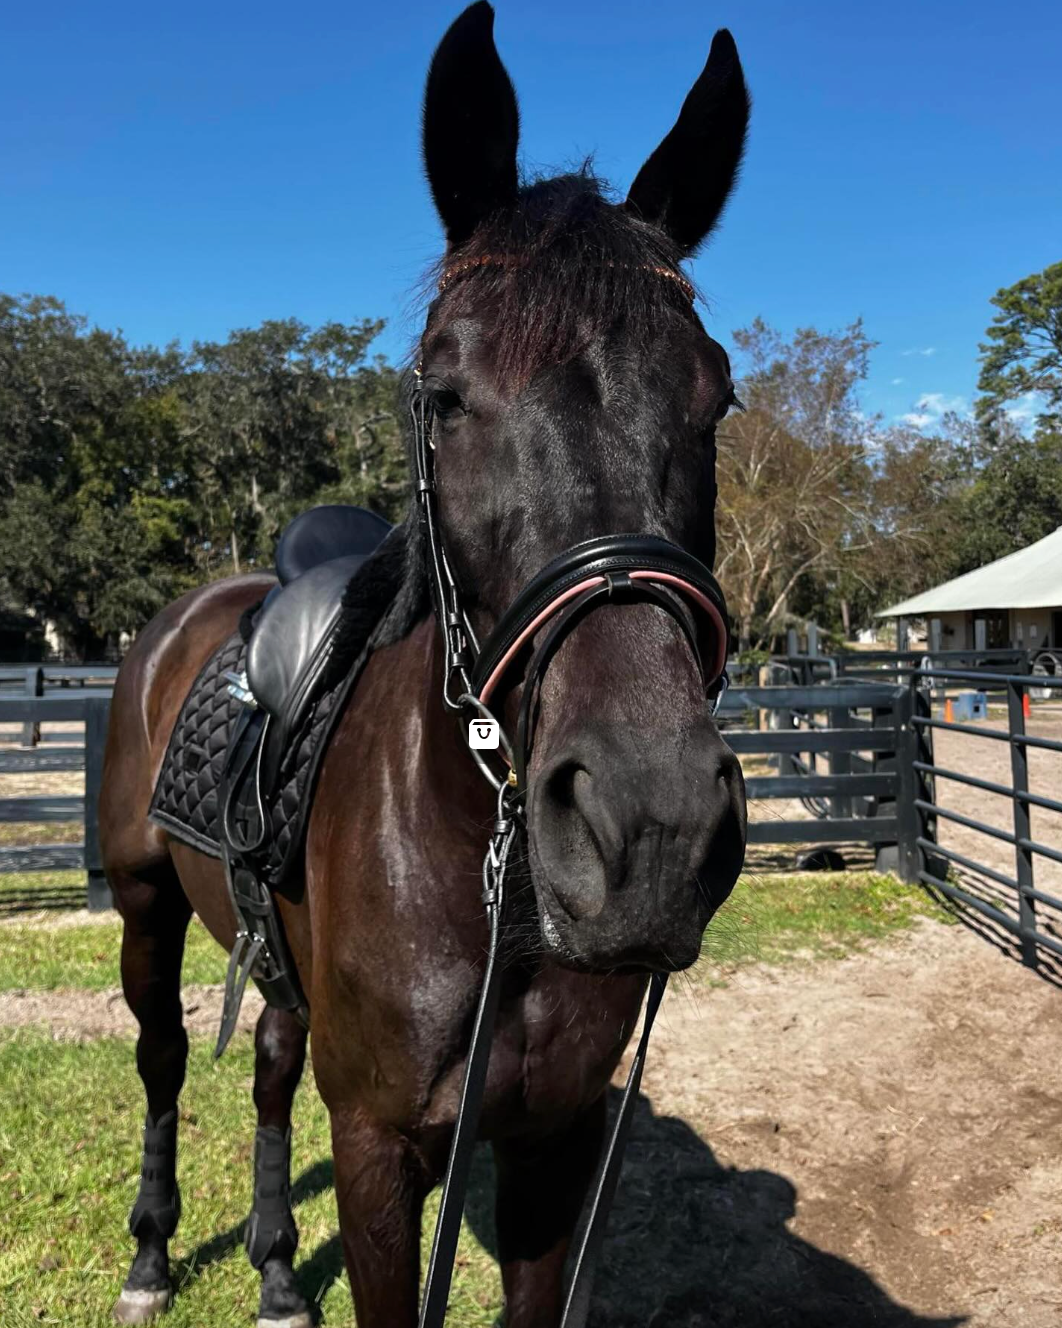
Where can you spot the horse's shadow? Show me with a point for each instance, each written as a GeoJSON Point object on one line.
{"type": "Point", "coordinates": [314, 1275]}
{"type": "Point", "coordinates": [690, 1244]}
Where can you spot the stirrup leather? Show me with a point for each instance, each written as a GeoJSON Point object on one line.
{"type": "Point", "coordinates": [261, 950]}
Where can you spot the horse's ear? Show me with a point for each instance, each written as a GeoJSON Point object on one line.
{"type": "Point", "coordinates": [471, 125]}
{"type": "Point", "coordinates": [684, 185]}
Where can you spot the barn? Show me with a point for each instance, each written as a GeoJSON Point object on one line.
{"type": "Point", "coordinates": [1015, 602]}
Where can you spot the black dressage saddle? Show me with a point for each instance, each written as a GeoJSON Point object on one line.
{"type": "Point", "coordinates": [317, 557]}
{"type": "Point", "coordinates": [238, 777]}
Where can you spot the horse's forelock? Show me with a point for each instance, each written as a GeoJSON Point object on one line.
{"type": "Point", "coordinates": [565, 262]}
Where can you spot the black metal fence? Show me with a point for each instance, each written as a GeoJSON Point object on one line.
{"type": "Point", "coordinates": [857, 753]}
{"type": "Point", "coordinates": [76, 750]}
{"type": "Point", "coordinates": [845, 748]}
{"type": "Point", "coordinates": [956, 874]}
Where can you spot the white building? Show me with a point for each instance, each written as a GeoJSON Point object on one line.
{"type": "Point", "coordinates": [1014, 602]}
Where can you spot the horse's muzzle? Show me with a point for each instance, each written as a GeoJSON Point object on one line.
{"type": "Point", "coordinates": [633, 849]}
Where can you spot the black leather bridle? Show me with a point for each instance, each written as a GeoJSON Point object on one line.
{"type": "Point", "coordinates": [625, 568]}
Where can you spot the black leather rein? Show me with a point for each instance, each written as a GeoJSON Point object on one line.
{"type": "Point", "coordinates": [627, 568]}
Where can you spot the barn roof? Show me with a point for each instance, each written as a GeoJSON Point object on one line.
{"type": "Point", "coordinates": [1028, 579]}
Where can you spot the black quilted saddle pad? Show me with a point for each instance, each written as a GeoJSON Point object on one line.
{"type": "Point", "coordinates": [185, 802]}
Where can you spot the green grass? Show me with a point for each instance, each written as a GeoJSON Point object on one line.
{"type": "Point", "coordinates": [23, 891]}
{"type": "Point", "coordinates": [771, 919]}
{"type": "Point", "coordinates": [87, 956]}
{"type": "Point", "coordinates": [69, 1160]}
{"type": "Point", "coordinates": [20, 834]}
{"type": "Point", "coordinates": [778, 918]}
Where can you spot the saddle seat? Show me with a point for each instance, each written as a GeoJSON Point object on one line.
{"type": "Point", "coordinates": [287, 655]}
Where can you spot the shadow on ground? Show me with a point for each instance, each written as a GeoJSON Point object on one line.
{"type": "Point", "coordinates": [691, 1244]}
{"type": "Point", "coordinates": [1048, 964]}
{"type": "Point", "coordinates": [695, 1244]}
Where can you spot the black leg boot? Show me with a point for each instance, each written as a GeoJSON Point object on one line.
{"type": "Point", "coordinates": [271, 1237]}
{"type": "Point", "coordinates": [147, 1291]}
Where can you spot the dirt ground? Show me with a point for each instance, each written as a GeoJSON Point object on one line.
{"type": "Point", "coordinates": [875, 1140]}
{"type": "Point", "coordinates": [872, 1141]}
{"type": "Point", "coordinates": [80, 1016]}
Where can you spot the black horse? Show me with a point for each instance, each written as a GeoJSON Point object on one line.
{"type": "Point", "coordinates": [574, 394]}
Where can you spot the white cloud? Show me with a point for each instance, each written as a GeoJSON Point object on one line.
{"type": "Point", "coordinates": [931, 407]}
{"type": "Point", "coordinates": [1025, 409]}
{"type": "Point", "coordinates": [939, 403]}
{"type": "Point", "coordinates": [924, 350]}
{"type": "Point", "coordinates": [896, 382]}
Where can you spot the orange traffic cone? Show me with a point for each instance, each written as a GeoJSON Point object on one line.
{"type": "Point", "coordinates": [949, 712]}
{"type": "Point", "coordinates": [1026, 706]}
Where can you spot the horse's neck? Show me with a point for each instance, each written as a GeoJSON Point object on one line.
{"type": "Point", "coordinates": [439, 778]}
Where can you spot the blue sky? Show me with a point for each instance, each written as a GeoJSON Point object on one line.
{"type": "Point", "coordinates": [180, 170]}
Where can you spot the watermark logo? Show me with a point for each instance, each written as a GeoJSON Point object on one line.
{"type": "Point", "coordinates": [484, 735]}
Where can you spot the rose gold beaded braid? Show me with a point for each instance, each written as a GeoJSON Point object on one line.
{"type": "Point", "coordinates": [458, 270]}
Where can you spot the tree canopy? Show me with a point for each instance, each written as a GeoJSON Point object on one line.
{"type": "Point", "coordinates": [1023, 353]}
{"type": "Point", "coordinates": [131, 474]}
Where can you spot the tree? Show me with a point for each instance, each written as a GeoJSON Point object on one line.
{"type": "Point", "coordinates": [129, 475]}
{"type": "Point", "coordinates": [909, 529]}
{"type": "Point", "coordinates": [279, 416]}
{"type": "Point", "coordinates": [1014, 497]}
{"type": "Point", "coordinates": [1024, 349]}
{"type": "Point", "coordinates": [792, 473]}
{"type": "Point", "coordinates": [94, 518]}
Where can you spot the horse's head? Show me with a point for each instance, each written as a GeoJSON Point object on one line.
{"type": "Point", "coordinates": [576, 394]}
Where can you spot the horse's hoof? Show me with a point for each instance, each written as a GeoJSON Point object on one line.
{"type": "Point", "coordinates": [301, 1320]}
{"type": "Point", "coordinates": [141, 1306]}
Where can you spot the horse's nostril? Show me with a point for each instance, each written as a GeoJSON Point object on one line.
{"type": "Point", "coordinates": [565, 843]}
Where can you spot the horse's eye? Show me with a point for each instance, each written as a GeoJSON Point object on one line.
{"type": "Point", "coordinates": [447, 402]}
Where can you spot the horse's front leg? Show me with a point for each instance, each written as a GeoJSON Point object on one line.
{"type": "Point", "coordinates": [380, 1190]}
{"type": "Point", "coordinates": [541, 1188]}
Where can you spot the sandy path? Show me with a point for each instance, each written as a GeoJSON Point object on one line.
{"type": "Point", "coordinates": [82, 1015]}
{"type": "Point", "coordinates": [903, 1107]}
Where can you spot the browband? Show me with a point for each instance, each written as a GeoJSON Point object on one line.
{"type": "Point", "coordinates": [465, 266]}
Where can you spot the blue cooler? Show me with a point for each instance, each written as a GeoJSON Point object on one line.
{"type": "Point", "coordinates": [970, 705]}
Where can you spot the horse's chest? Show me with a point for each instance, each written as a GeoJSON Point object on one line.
{"type": "Point", "coordinates": [553, 1052]}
